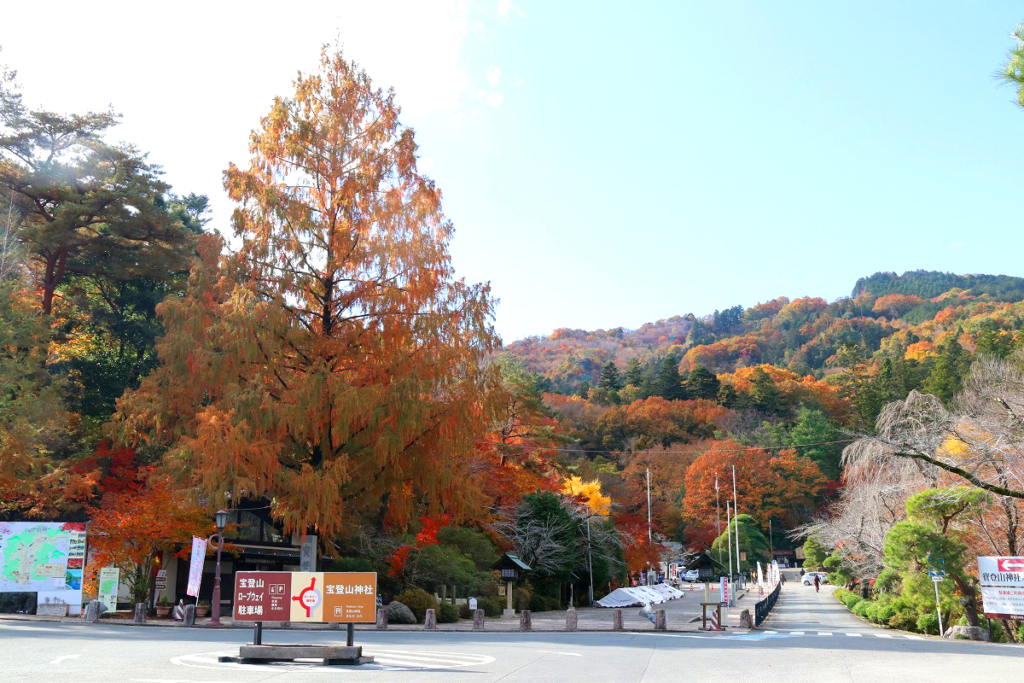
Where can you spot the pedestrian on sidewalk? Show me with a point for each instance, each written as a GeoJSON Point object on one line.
{"type": "Point", "coordinates": [817, 583]}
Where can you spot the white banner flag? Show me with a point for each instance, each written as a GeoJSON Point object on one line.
{"type": "Point", "coordinates": [195, 566]}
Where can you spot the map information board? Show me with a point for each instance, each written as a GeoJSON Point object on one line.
{"type": "Point", "coordinates": [342, 597]}
{"type": "Point", "coordinates": [41, 556]}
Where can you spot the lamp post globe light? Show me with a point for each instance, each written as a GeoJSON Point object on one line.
{"type": "Point", "coordinates": [221, 520]}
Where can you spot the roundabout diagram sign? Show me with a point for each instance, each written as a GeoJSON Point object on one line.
{"type": "Point", "coordinates": [343, 597]}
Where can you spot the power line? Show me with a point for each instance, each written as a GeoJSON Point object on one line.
{"type": "Point", "coordinates": [691, 452]}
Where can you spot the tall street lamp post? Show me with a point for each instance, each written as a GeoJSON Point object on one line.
{"type": "Point", "coordinates": [221, 520]}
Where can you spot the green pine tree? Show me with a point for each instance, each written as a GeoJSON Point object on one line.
{"type": "Point", "coordinates": [610, 378]}
{"type": "Point", "coordinates": [669, 384]}
{"type": "Point", "coordinates": [634, 373]}
{"type": "Point", "coordinates": [702, 383]}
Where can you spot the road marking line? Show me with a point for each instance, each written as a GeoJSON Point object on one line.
{"type": "Point", "coordinates": [796, 633]}
{"type": "Point", "coordinates": [60, 659]}
{"type": "Point", "coordinates": [910, 637]}
{"type": "Point", "coordinates": [567, 654]}
{"type": "Point", "coordinates": [855, 635]}
{"type": "Point", "coordinates": [824, 633]}
{"type": "Point", "coordinates": [771, 632]}
{"type": "Point", "coordinates": [883, 635]}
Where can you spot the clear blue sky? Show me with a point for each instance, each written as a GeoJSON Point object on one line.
{"type": "Point", "coordinates": [609, 164]}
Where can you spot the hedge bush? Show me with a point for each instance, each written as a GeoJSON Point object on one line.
{"type": "Point", "coordinates": [448, 613]}
{"type": "Point", "coordinates": [417, 600]}
{"type": "Point", "coordinates": [904, 620]}
{"type": "Point", "coordinates": [544, 603]}
{"type": "Point", "coordinates": [861, 608]}
{"type": "Point", "coordinates": [928, 623]}
{"type": "Point", "coordinates": [491, 606]}
{"type": "Point", "coordinates": [465, 612]}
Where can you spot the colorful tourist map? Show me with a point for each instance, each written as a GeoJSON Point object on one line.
{"type": "Point", "coordinates": [37, 556]}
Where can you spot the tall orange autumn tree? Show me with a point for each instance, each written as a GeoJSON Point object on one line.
{"type": "Point", "coordinates": [334, 364]}
{"type": "Point", "coordinates": [781, 485]}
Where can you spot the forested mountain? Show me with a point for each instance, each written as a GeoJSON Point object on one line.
{"type": "Point", "coordinates": [899, 318]}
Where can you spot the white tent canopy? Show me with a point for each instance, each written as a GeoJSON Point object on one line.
{"type": "Point", "coordinates": [639, 595]}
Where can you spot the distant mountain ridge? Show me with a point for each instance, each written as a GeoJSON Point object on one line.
{"type": "Point", "coordinates": [906, 315]}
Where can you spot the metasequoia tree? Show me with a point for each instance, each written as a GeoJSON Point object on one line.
{"type": "Point", "coordinates": [334, 364]}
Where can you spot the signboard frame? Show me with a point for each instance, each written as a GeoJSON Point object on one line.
{"type": "Point", "coordinates": [305, 597]}
{"type": "Point", "coordinates": [1002, 587]}
{"type": "Point", "coordinates": [109, 599]}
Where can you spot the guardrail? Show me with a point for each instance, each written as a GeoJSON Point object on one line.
{"type": "Point", "coordinates": [763, 607]}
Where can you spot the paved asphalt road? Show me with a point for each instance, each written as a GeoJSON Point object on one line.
{"type": "Point", "coordinates": [809, 638]}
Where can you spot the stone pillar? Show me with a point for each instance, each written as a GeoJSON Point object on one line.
{"type": "Point", "coordinates": [660, 622]}
{"type": "Point", "coordinates": [382, 620]}
{"type": "Point", "coordinates": [190, 615]}
{"type": "Point", "coordinates": [430, 620]}
{"type": "Point", "coordinates": [140, 613]}
{"type": "Point", "coordinates": [745, 620]}
{"type": "Point", "coordinates": [478, 620]}
{"type": "Point", "coordinates": [617, 620]}
{"type": "Point", "coordinates": [525, 621]}
{"type": "Point", "coordinates": [571, 619]}
{"type": "Point", "coordinates": [92, 612]}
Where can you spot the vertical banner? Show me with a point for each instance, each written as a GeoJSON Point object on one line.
{"type": "Point", "coordinates": [726, 596]}
{"type": "Point", "coordinates": [775, 572]}
{"type": "Point", "coordinates": [110, 578]}
{"type": "Point", "coordinates": [195, 566]}
{"type": "Point", "coordinates": [760, 577]}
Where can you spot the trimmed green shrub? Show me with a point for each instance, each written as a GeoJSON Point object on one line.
{"type": "Point", "coordinates": [904, 620]}
{"type": "Point", "coordinates": [490, 606]}
{"type": "Point", "coordinates": [543, 603]}
{"type": "Point", "coordinates": [465, 612]}
{"type": "Point", "coordinates": [928, 623]}
{"type": "Point", "coordinates": [861, 608]}
{"type": "Point", "coordinates": [417, 600]}
{"type": "Point", "coordinates": [447, 613]}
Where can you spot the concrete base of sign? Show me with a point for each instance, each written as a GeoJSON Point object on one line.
{"type": "Point", "coordinates": [331, 655]}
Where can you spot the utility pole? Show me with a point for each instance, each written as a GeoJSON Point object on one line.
{"type": "Point", "coordinates": [728, 533]}
{"type": "Point", "coordinates": [718, 518]}
{"type": "Point", "coordinates": [649, 536]}
{"type": "Point", "coordinates": [590, 563]}
{"type": "Point", "coordinates": [771, 548]}
{"type": "Point", "coordinates": [736, 511]}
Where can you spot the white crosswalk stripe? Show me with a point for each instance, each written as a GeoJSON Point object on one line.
{"type": "Point", "coordinates": [829, 634]}
{"type": "Point", "coordinates": [426, 660]}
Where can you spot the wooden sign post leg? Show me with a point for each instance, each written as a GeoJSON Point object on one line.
{"type": "Point", "coordinates": [351, 636]}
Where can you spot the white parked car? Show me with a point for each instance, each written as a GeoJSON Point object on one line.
{"type": "Point", "coordinates": [690, 575]}
{"type": "Point", "coordinates": [808, 578]}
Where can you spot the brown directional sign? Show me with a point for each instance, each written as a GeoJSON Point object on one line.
{"type": "Point", "coordinates": [346, 597]}
{"type": "Point", "coordinates": [263, 596]}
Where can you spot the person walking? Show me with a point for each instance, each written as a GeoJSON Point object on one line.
{"type": "Point", "coordinates": [817, 583]}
